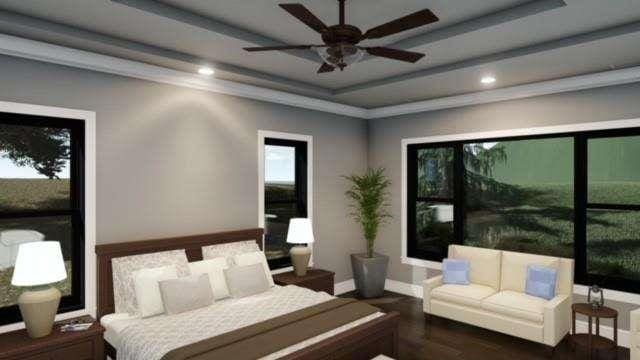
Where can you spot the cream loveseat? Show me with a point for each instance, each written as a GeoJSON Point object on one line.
{"type": "Point", "coordinates": [634, 335]}
{"type": "Point", "coordinates": [495, 298]}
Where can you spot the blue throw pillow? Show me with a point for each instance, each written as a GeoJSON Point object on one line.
{"type": "Point", "coordinates": [455, 271]}
{"type": "Point", "coordinates": [541, 281]}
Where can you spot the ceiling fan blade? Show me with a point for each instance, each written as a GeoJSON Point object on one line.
{"type": "Point", "coordinates": [325, 68]}
{"type": "Point", "coordinates": [417, 19]}
{"type": "Point", "coordinates": [395, 54]}
{"type": "Point", "coordinates": [284, 47]}
{"type": "Point", "coordinates": [303, 14]}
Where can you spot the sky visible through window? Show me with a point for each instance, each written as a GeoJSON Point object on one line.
{"type": "Point", "coordinates": [280, 164]}
{"type": "Point", "coordinates": [9, 170]}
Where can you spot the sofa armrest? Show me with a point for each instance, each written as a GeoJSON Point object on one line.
{"type": "Point", "coordinates": [427, 286]}
{"type": "Point", "coordinates": [634, 328]}
{"type": "Point", "coordinates": [557, 319]}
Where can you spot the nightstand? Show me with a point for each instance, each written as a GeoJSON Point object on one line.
{"type": "Point", "coordinates": [80, 345]}
{"type": "Point", "coordinates": [315, 279]}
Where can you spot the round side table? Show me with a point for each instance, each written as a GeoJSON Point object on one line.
{"type": "Point", "coordinates": [590, 340]}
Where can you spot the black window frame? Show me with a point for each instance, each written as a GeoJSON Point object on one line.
{"type": "Point", "coordinates": [75, 212]}
{"type": "Point", "coordinates": [301, 173]}
{"type": "Point", "coordinates": [580, 208]}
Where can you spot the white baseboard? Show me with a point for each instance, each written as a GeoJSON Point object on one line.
{"type": "Point", "coordinates": [344, 287]}
{"type": "Point", "coordinates": [581, 326]}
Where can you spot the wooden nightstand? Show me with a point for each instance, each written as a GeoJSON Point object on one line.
{"type": "Point", "coordinates": [316, 279]}
{"type": "Point", "coordinates": [80, 345]}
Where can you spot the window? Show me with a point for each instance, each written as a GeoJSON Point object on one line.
{"type": "Point", "coordinates": [285, 195]}
{"type": "Point", "coordinates": [570, 195]}
{"type": "Point", "coordinates": [41, 198]}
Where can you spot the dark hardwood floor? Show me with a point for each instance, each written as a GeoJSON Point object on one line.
{"type": "Point", "coordinates": [441, 339]}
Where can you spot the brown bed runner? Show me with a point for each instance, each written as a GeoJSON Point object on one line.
{"type": "Point", "coordinates": [272, 335]}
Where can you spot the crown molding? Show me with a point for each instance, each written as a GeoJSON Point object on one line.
{"type": "Point", "coordinates": [41, 51]}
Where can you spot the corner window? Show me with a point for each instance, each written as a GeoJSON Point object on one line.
{"type": "Point", "coordinates": [41, 198]}
{"type": "Point", "coordinates": [574, 195]}
{"type": "Point", "coordinates": [285, 195]}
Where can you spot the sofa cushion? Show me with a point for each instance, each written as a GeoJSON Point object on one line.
{"type": "Point", "coordinates": [468, 295]}
{"type": "Point", "coordinates": [484, 264]}
{"type": "Point", "coordinates": [514, 268]}
{"type": "Point", "coordinates": [516, 304]}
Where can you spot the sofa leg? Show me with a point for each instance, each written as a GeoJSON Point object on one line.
{"type": "Point", "coordinates": [550, 351]}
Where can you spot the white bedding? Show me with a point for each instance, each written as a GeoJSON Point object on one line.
{"type": "Point", "coordinates": [149, 339]}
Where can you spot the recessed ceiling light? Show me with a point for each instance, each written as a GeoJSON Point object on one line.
{"type": "Point", "coordinates": [205, 71]}
{"type": "Point", "coordinates": [488, 80]}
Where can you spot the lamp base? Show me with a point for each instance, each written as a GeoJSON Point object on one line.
{"type": "Point", "coordinates": [38, 309]}
{"type": "Point", "coordinates": [300, 256]}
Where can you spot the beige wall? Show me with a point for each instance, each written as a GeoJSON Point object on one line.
{"type": "Point", "coordinates": [174, 161]}
{"type": "Point", "coordinates": [613, 103]}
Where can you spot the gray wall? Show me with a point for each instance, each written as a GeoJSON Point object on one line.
{"type": "Point", "coordinates": [174, 161]}
{"type": "Point", "coordinates": [612, 103]}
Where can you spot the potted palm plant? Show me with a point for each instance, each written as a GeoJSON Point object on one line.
{"type": "Point", "coordinates": [369, 195]}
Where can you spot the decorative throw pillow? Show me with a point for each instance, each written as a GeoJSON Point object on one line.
{"type": "Point", "coordinates": [146, 284]}
{"type": "Point", "coordinates": [256, 257]}
{"type": "Point", "coordinates": [541, 281]}
{"type": "Point", "coordinates": [215, 269]}
{"type": "Point", "coordinates": [246, 280]}
{"type": "Point", "coordinates": [455, 271]}
{"type": "Point", "coordinates": [123, 268]}
{"type": "Point", "coordinates": [185, 294]}
{"type": "Point", "coordinates": [229, 250]}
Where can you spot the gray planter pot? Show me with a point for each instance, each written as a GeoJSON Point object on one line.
{"type": "Point", "coordinates": [369, 274]}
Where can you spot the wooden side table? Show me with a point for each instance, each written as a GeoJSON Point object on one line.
{"type": "Point", "coordinates": [79, 345]}
{"type": "Point", "coordinates": [594, 341]}
{"type": "Point", "coordinates": [315, 279]}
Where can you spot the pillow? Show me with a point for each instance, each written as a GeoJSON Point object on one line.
{"type": "Point", "coordinates": [123, 268]}
{"type": "Point", "coordinates": [541, 281]}
{"type": "Point", "coordinates": [185, 294]}
{"type": "Point", "coordinates": [246, 280]}
{"type": "Point", "coordinates": [215, 269]}
{"type": "Point", "coordinates": [229, 250]}
{"type": "Point", "coordinates": [256, 257]}
{"type": "Point", "coordinates": [146, 284]}
{"type": "Point", "coordinates": [455, 271]}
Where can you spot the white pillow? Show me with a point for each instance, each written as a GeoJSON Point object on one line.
{"type": "Point", "coordinates": [147, 288]}
{"type": "Point", "coordinates": [229, 250]}
{"type": "Point", "coordinates": [256, 257]}
{"type": "Point", "coordinates": [215, 269]}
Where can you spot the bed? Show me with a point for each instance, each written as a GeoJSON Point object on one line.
{"type": "Point", "coordinates": [132, 337]}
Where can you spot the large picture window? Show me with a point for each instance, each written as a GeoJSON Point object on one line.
{"type": "Point", "coordinates": [572, 195]}
{"type": "Point", "coordinates": [41, 198]}
{"type": "Point", "coordinates": [285, 195]}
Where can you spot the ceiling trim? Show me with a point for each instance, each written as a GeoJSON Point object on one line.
{"type": "Point", "coordinates": [573, 40]}
{"type": "Point", "coordinates": [209, 24]}
{"type": "Point", "coordinates": [575, 83]}
{"type": "Point", "coordinates": [36, 50]}
{"type": "Point", "coordinates": [495, 18]}
{"type": "Point", "coordinates": [36, 23]}
{"type": "Point", "coordinates": [41, 51]}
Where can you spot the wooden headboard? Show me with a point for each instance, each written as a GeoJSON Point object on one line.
{"type": "Point", "coordinates": [192, 245]}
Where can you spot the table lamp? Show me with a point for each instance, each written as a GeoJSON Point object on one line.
{"type": "Point", "coordinates": [300, 232]}
{"type": "Point", "coordinates": [39, 264]}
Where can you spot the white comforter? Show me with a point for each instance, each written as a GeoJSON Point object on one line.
{"type": "Point", "coordinates": [152, 338]}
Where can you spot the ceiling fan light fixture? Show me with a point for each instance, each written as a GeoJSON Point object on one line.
{"type": "Point", "coordinates": [341, 55]}
{"type": "Point", "coordinates": [488, 80]}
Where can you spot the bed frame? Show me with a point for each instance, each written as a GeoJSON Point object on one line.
{"type": "Point", "coordinates": [379, 336]}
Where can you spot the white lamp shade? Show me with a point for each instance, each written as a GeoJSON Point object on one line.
{"type": "Point", "coordinates": [39, 263]}
{"type": "Point", "coordinates": [300, 231]}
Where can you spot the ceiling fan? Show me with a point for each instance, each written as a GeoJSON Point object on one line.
{"type": "Point", "coordinates": [340, 47]}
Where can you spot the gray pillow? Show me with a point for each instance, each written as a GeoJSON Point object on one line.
{"type": "Point", "coordinates": [186, 293]}
{"type": "Point", "coordinates": [246, 280]}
